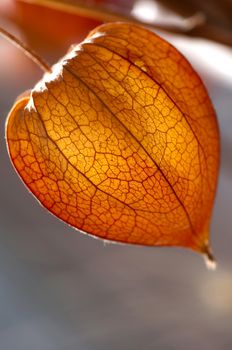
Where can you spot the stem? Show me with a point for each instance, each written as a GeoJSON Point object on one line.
{"type": "Point", "coordinates": [27, 50]}
{"type": "Point", "coordinates": [105, 14]}
{"type": "Point", "coordinates": [195, 26]}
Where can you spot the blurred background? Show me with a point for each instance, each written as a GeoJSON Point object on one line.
{"type": "Point", "coordinates": [60, 289]}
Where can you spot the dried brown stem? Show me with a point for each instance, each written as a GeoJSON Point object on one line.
{"type": "Point", "coordinates": [194, 26]}
{"type": "Point", "coordinates": [26, 49]}
{"type": "Point", "coordinates": [107, 15]}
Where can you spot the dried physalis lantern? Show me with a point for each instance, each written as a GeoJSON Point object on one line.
{"type": "Point", "coordinates": [120, 140]}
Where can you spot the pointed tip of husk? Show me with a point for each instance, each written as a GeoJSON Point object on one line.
{"type": "Point", "coordinates": [210, 261]}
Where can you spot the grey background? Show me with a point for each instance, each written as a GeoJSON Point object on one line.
{"type": "Point", "coordinates": [60, 289]}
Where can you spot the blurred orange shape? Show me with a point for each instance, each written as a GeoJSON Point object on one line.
{"type": "Point", "coordinates": [47, 27]}
{"type": "Point", "coordinates": [121, 141]}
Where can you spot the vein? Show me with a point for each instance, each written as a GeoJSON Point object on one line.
{"type": "Point", "coordinates": [137, 141]}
